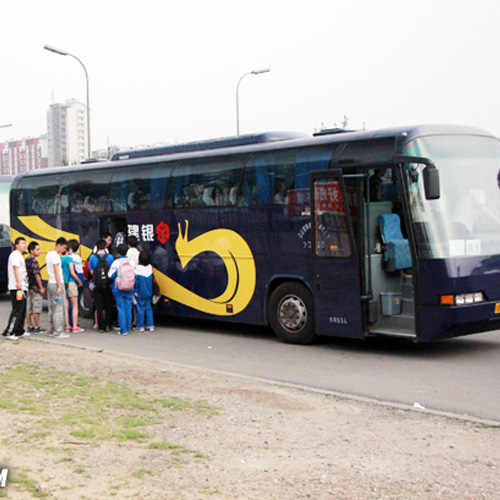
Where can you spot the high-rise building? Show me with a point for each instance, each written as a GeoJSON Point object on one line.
{"type": "Point", "coordinates": [18, 156]}
{"type": "Point", "coordinates": [67, 133]}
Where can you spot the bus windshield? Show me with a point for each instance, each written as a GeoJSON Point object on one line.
{"type": "Point", "coordinates": [465, 220]}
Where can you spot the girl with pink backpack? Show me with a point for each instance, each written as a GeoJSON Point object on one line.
{"type": "Point", "coordinates": [122, 274]}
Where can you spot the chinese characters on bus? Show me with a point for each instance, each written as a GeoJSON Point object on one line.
{"type": "Point", "coordinates": [332, 238]}
{"type": "Point", "coordinates": [328, 197]}
{"type": "Point", "coordinates": [148, 232]}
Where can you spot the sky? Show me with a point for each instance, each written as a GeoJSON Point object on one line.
{"type": "Point", "coordinates": [167, 71]}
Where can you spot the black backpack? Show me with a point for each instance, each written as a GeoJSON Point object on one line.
{"type": "Point", "coordinates": [101, 279]}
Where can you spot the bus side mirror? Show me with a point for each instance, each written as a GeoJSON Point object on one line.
{"type": "Point", "coordinates": [431, 183]}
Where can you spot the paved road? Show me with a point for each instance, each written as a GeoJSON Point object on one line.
{"type": "Point", "coordinates": [461, 375]}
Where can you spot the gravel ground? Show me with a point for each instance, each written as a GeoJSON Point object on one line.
{"type": "Point", "coordinates": [256, 441]}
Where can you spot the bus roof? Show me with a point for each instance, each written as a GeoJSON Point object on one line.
{"type": "Point", "coordinates": [224, 142]}
{"type": "Point", "coordinates": [264, 142]}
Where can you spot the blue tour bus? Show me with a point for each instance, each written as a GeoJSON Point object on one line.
{"type": "Point", "coordinates": [5, 247]}
{"type": "Point", "coordinates": [351, 234]}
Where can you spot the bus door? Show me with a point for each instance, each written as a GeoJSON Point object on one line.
{"type": "Point", "coordinates": [114, 225]}
{"type": "Point", "coordinates": [388, 263]}
{"type": "Point", "coordinates": [336, 282]}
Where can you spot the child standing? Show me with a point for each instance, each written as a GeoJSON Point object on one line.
{"type": "Point", "coordinates": [36, 289]}
{"type": "Point", "coordinates": [66, 261]}
{"type": "Point", "coordinates": [133, 251]}
{"type": "Point", "coordinates": [55, 289]}
{"type": "Point", "coordinates": [18, 287]}
{"type": "Point", "coordinates": [143, 292]}
{"type": "Point", "coordinates": [99, 265]}
{"type": "Point", "coordinates": [122, 272]}
{"type": "Point", "coordinates": [74, 284]}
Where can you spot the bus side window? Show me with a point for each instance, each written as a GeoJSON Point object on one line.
{"type": "Point", "coordinates": [268, 178]}
{"type": "Point", "coordinates": [139, 188]}
{"type": "Point", "coordinates": [160, 175]}
{"type": "Point", "coordinates": [282, 177]}
{"type": "Point", "coordinates": [213, 183]}
{"type": "Point", "coordinates": [88, 194]}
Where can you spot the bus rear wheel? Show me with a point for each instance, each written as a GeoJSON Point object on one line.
{"type": "Point", "coordinates": [291, 314]}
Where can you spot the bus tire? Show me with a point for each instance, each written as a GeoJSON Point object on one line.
{"type": "Point", "coordinates": [291, 313]}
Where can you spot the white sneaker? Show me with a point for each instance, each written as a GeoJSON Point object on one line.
{"type": "Point", "coordinates": [150, 328]}
{"type": "Point", "coordinates": [11, 337]}
{"type": "Point", "coordinates": [25, 334]}
{"type": "Point", "coordinates": [140, 329]}
{"type": "Point", "coordinates": [60, 335]}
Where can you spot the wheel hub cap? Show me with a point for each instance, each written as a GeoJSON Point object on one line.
{"type": "Point", "coordinates": [292, 313]}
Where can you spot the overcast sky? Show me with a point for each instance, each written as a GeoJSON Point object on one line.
{"type": "Point", "coordinates": [166, 71]}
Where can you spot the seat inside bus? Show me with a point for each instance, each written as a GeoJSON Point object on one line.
{"type": "Point", "coordinates": [396, 248]}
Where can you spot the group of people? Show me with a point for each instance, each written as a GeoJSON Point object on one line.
{"type": "Point", "coordinates": [127, 277]}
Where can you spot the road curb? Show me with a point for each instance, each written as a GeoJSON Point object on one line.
{"type": "Point", "coordinates": [341, 395]}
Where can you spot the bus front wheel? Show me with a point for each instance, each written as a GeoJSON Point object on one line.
{"type": "Point", "coordinates": [291, 314]}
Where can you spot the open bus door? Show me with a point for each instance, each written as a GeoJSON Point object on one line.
{"type": "Point", "coordinates": [336, 265]}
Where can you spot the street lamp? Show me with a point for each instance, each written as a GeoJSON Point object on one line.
{"type": "Point", "coordinates": [7, 125]}
{"type": "Point", "coordinates": [254, 72]}
{"type": "Point", "coordinates": [64, 53]}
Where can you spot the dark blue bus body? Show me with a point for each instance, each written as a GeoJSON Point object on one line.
{"type": "Point", "coordinates": [289, 232]}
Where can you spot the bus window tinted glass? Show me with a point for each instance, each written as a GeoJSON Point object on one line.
{"type": "Point", "coordinates": [282, 178]}
{"type": "Point", "coordinates": [140, 188]}
{"type": "Point", "coordinates": [40, 196]}
{"type": "Point", "coordinates": [89, 192]}
{"type": "Point", "coordinates": [213, 183]}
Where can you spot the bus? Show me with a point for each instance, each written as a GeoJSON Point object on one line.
{"type": "Point", "coordinates": [5, 247]}
{"type": "Point", "coordinates": [342, 233]}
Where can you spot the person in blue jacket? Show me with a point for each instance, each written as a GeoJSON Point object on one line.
{"type": "Point", "coordinates": [123, 276]}
{"type": "Point", "coordinates": [143, 293]}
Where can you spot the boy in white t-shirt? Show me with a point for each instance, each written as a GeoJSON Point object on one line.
{"type": "Point", "coordinates": [133, 251]}
{"type": "Point", "coordinates": [18, 288]}
{"type": "Point", "coordinates": [55, 289]}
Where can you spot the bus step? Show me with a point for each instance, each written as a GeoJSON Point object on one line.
{"type": "Point", "coordinates": [407, 290]}
{"type": "Point", "coordinates": [393, 333]}
{"type": "Point", "coordinates": [408, 307]}
{"type": "Point", "coordinates": [401, 323]}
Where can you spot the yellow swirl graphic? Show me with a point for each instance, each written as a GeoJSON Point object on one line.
{"type": "Point", "coordinates": [227, 244]}
{"type": "Point", "coordinates": [239, 262]}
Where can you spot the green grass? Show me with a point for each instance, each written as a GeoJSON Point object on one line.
{"type": "Point", "coordinates": [141, 473]}
{"type": "Point", "coordinates": [24, 482]}
{"type": "Point", "coordinates": [175, 449]}
{"type": "Point", "coordinates": [91, 409]}
{"type": "Point", "coordinates": [200, 407]}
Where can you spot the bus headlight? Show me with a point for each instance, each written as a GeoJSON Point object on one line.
{"type": "Point", "coordinates": [462, 299]}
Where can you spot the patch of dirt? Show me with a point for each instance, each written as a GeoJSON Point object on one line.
{"type": "Point", "coordinates": [266, 442]}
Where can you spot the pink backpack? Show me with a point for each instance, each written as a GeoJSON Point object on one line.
{"type": "Point", "coordinates": [125, 276]}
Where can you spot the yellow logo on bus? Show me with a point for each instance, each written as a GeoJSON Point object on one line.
{"type": "Point", "coordinates": [227, 244]}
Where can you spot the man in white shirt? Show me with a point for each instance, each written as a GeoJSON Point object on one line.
{"type": "Point", "coordinates": [18, 288]}
{"type": "Point", "coordinates": [55, 289]}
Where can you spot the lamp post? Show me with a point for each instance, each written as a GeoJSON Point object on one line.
{"type": "Point", "coordinates": [64, 53]}
{"type": "Point", "coordinates": [7, 125]}
{"type": "Point", "coordinates": [254, 72]}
